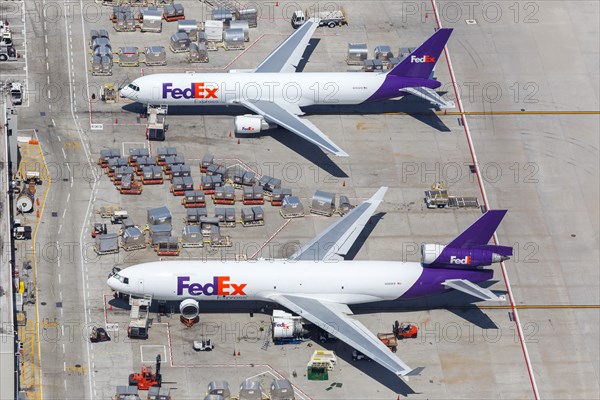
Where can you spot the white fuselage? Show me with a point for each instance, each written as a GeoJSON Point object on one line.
{"type": "Point", "coordinates": [301, 89]}
{"type": "Point", "coordinates": [347, 282]}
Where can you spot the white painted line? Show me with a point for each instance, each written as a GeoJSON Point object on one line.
{"type": "Point", "coordinates": [59, 229]}
{"type": "Point", "coordinates": [63, 346]}
{"type": "Point", "coordinates": [58, 137]}
{"type": "Point", "coordinates": [59, 279]}
{"type": "Point", "coordinates": [53, 122]}
{"type": "Point", "coordinates": [46, 52]}
{"type": "Point", "coordinates": [68, 197]}
{"type": "Point", "coordinates": [64, 154]}
{"type": "Point", "coordinates": [64, 212]}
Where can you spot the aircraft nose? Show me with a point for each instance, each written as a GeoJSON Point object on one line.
{"type": "Point", "coordinates": [113, 283]}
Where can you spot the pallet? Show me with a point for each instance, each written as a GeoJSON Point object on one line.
{"type": "Point", "coordinates": [153, 181]}
{"type": "Point", "coordinates": [253, 202]}
{"type": "Point", "coordinates": [229, 202]}
{"type": "Point", "coordinates": [253, 223]}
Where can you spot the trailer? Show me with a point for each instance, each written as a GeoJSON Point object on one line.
{"type": "Point", "coordinates": [152, 175]}
{"type": "Point", "coordinates": [193, 199]}
{"type": "Point", "coordinates": [253, 195]}
{"type": "Point", "coordinates": [194, 216]}
{"type": "Point", "coordinates": [173, 12]}
{"type": "Point", "coordinates": [326, 18]}
{"type": "Point", "coordinates": [168, 247]}
{"type": "Point", "coordinates": [137, 153]}
{"type": "Point", "coordinates": [224, 195]}
{"type": "Point", "coordinates": [130, 186]}
{"type": "Point", "coordinates": [106, 155]}
{"type": "Point", "coordinates": [157, 125]}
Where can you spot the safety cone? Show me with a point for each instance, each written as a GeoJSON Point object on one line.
{"type": "Point", "coordinates": [116, 121]}
{"type": "Point", "coordinates": [238, 141]}
{"type": "Point", "coordinates": [234, 353]}
{"type": "Point", "coordinates": [344, 183]}
{"type": "Point", "coordinates": [110, 308]}
{"type": "Point", "coordinates": [37, 213]}
{"type": "Point", "coordinates": [37, 201]}
{"type": "Point", "coordinates": [238, 353]}
{"type": "Point", "coordinates": [229, 133]}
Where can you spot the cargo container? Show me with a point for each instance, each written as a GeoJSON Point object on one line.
{"type": "Point", "coordinates": [191, 236]}
{"type": "Point", "coordinates": [158, 232]}
{"type": "Point", "coordinates": [155, 55]}
{"type": "Point", "coordinates": [173, 12]}
{"type": "Point", "coordinates": [128, 57]}
{"type": "Point", "coordinates": [133, 239]}
{"type": "Point", "coordinates": [151, 19]}
{"type": "Point", "coordinates": [250, 390]}
{"type": "Point", "coordinates": [207, 160]}
{"type": "Point", "coordinates": [159, 216]}
{"type": "Point", "coordinates": [249, 15]}
{"type": "Point", "coordinates": [233, 39]}
{"type": "Point", "coordinates": [357, 53]}
{"type": "Point", "coordinates": [323, 203]}
{"type": "Point", "coordinates": [243, 25]}
{"type": "Point", "coordinates": [180, 42]}
{"type": "Point", "coordinates": [291, 207]}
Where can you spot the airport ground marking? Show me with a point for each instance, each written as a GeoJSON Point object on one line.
{"type": "Point", "coordinates": [486, 203]}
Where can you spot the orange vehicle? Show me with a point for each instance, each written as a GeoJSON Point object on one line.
{"type": "Point", "coordinates": [405, 330]}
{"type": "Point", "coordinates": [146, 379]}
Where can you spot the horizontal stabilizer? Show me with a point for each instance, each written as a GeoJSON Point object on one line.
{"type": "Point", "coordinates": [469, 287]}
{"type": "Point", "coordinates": [431, 96]}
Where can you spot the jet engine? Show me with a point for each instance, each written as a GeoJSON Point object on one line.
{"type": "Point", "coordinates": [189, 308]}
{"type": "Point", "coordinates": [249, 124]}
{"type": "Point", "coordinates": [437, 255]}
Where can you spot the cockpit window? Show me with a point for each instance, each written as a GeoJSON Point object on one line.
{"type": "Point", "coordinates": [134, 87]}
{"type": "Point", "coordinates": [121, 279]}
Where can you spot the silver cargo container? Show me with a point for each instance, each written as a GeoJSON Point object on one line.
{"type": "Point", "coordinates": [344, 205]}
{"type": "Point", "coordinates": [189, 26]}
{"type": "Point", "coordinates": [133, 238]}
{"type": "Point", "coordinates": [222, 14]}
{"type": "Point", "coordinates": [159, 232]}
{"type": "Point", "coordinates": [155, 55]}
{"type": "Point", "coordinates": [250, 390]}
{"type": "Point", "coordinates": [151, 19]}
{"type": "Point", "coordinates": [243, 25]}
{"type": "Point", "coordinates": [282, 389]}
{"type": "Point", "coordinates": [357, 53]}
{"type": "Point", "coordinates": [233, 39]}
{"type": "Point", "coordinates": [198, 53]}
{"type": "Point", "coordinates": [100, 41]}
{"type": "Point", "coordinates": [292, 206]}
{"type": "Point", "coordinates": [128, 57]}
{"type": "Point", "coordinates": [323, 203]}
{"type": "Point", "coordinates": [383, 52]}
{"type": "Point", "coordinates": [249, 14]}
{"type": "Point", "coordinates": [219, 388]}
{"type": "Point", "coordinates": [159, 216]}
{"type": "Point", "coordinates": [180, 42]}
{"type": "Point", "coordinates": [103, 33]}
{"type": "Point", "coordinates": [191, 236]}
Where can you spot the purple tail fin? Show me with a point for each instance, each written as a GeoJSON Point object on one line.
{"type": "Point", "coordinates": [470, 248]}
{"type": "Point", "coordinates": [421, 62]}
{"type": "Point", "coordinates": [480, 233]}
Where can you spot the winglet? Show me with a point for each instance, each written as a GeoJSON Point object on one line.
{"type": "Point", "coordinates": [415, 372]}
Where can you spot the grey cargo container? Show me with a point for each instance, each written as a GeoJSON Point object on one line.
{"type": "Point", "coordinates": [133, 237]}
{"type": "Point", "coordinates": [219, 388]}
{"type": "Point", "coordinates": [108, 243]}
{"type": "Point", "coordinates": [181, 170]}
{"type": "Point", "coordinates": [247, 215]}
{"type": "Point", "coordinates": [357, 53]}
{"type": "Point", "coordinates": [282, 389]}
{"type": "Point", "coordinates": [211, 182]}
{"type": "Point", "coordinates": [151, 19]}
{"type": "Point", "coordinates": [214, 169]}
{"type": "Point", "coordinates": [323, 203]}
{"type": "Point", "coordinates": [191, 236]}
{"type": "Point", "coordinates": [249, 178]}
{"type": "Point", "coordinates": [207, 160]}
{"type": "Point", "coordinates": [230, 214]}
{"type": "Point", "coordinates": [249, 14]}
{"type": "Point", "coordinates": [250, 390]}
{"type": "Point", "coordinates": [233, 39]}
{"type": "Point", "coordinates": [180, 42]}
{"type": "Point", "coordinates": [259, 213]}
{"type": "Point", "coordinates": [243, 25]}
{"type": "Point", "coordinates": [173, 11]}
{"type": "Point", "coordinates": [274, 183]}
{"type": "Point", "coordinates": [159, 232]}
{"type": "Point", "coordinates": [159, 216]}
{"type": "Point", "coordinates": [155, 55]}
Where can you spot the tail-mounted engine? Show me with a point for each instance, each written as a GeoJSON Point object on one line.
{"type": "Point", "coordinates": [437, 255]}
{"type": "Point", "coordinates": [249, 124]}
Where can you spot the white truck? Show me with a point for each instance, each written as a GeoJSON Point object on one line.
{"type": "Point", "coordinates": [327, 18]}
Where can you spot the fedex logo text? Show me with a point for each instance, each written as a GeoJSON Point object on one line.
{"type": "Point", "coordinates": [197, 90]}
{"type": "Point", "coordinates": [219, 286]}
{"type": "Point", "coordinates": [424, 59]}
{"type": "Point", "coordinates": [463, 261]}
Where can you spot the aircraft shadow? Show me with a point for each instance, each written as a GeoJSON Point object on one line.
{"type": "Point", "coordinates": [312, 45]}
{"type": "Point", "coordinates": [416, 107]}
{"type": "Point", "coordinates": [364, 235]}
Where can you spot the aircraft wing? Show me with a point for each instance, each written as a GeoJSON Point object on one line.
{"type": "Point", "coordinates": [287, 56]}
{"type": "Point", "coordinates": [286, 116]}
{"type": "Point", "coordinates": [333, 317]}
{"type": "Point", "coordinates": [430, 95]}
{"type": "Point", "coordinates": [335, 242]}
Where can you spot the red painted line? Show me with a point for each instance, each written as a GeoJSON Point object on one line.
{"type": "Point", "coordinates": [271, 238]}
{"type": "Point", "coordinates": [485, 201]}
